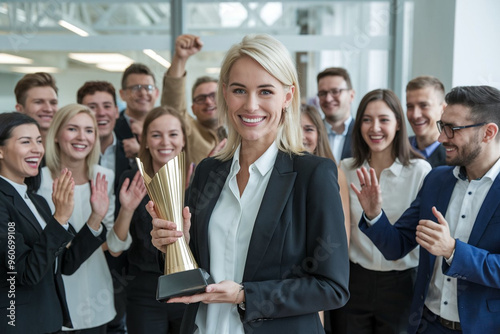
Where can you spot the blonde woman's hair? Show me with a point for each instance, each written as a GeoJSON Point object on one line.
{"type": "Point", "coordinates": [53, 150]}
{"type": "Point", "coordinates": [276, 60]}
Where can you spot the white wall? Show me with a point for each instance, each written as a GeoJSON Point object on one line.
{"type": "Point", "coordinates": [7, 98]}
{"type": "Point", "coordinates": [433, 39]}
{"type": "Point", "coordinates": [457, 41]}
{"type": "Point", "coordinates": [477, 43]}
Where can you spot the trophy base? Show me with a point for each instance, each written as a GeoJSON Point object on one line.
{"type": "Point", "coordinates": [184, 283]}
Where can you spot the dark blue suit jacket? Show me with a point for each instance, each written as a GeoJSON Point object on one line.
{"type": "Point", "coordinates": [40, 300]}
{"type": "Point", "coordinates": [476, 264]}
{"type": "Point", "coordinates": [297, 262]}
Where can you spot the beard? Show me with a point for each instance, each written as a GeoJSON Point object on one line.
{"type": "Point", "coordinates": [467, 154]}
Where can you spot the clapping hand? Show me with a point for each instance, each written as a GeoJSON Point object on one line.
{"type": "Point", "coordinates": [63, 190]}
{"type": "Point", "coordinates": [131, 196]}
{"type": "Point", "coordinates": [99, 200]}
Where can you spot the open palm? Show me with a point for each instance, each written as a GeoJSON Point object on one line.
{"type": "Point", "coordinates": [99, 199]}
{"type": "Point", "coordinates": [132, 192]}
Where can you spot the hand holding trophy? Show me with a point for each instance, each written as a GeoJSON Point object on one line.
{"type": "Point", "coordinates": [166, 189]}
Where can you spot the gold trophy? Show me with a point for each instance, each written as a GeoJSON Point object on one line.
{"type": "Point", "coordinates": [166, 189]}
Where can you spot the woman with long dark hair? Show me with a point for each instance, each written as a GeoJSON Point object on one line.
{"type": "Point", "coordinates": [35, 245]}
{"type": "Point", "coordinates": [381, 290]}
{"type": "Point", "coordinates": [163, 138]}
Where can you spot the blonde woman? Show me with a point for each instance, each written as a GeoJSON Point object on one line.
{"type": "Point", "coordinates": [73, 143]}
{"type": "Point", "coordinates": [263, 215]}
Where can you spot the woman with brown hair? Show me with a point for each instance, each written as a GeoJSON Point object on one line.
{"type": "Point", "coordinates": [315, 141]}
{"type": "Point", "coordinates": [163, 138]}
{"type": "Point", "coordinates": [36, 245]}
{"type": "Point", "coordinates": [381, 290]}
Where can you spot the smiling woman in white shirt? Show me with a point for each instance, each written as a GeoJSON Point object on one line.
{"type": "Point", "coordinates": [73, 143]}
{"type": "Point", "coordinates": [381, 290]}
{"type": "Point", "coordinates": [265, 218]}
{"type": "Point", "coordinates": [35, 245]}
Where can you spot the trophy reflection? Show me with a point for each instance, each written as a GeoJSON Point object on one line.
{"type": "Point", "coordinates": [166, 189]}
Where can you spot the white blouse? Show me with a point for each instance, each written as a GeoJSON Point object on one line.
{"type": "Point", "coordinates": [89, 291]}
{"type": "Point", "coordinates": [399, 186]}
{"type": "Point", "coordinates": [229, 232]}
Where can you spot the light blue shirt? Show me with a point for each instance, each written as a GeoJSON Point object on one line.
{"type": "Point", "coordinates": [337, 140]}
{"type": "Point", "coordinates": [426, 152]}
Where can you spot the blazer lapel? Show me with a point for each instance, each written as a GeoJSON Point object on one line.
{"type": "Point", "coordinates": [487, 210]}
{"type": "Point", "coordinates": [273, 203]}
{"type": "Point", "coordinates": [20, 204]}
{"type": "Point", "coordinates": [443, 199]}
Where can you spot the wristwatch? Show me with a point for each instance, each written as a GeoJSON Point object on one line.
{"type": "Point", "coordinates": [242, 305]}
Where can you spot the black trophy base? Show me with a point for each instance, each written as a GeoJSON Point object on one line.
{"type": "Point", "coordinates": [184, 283]}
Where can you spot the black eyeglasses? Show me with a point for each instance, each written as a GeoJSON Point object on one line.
{"type": "Point", "coordinates": [334, 92]}
{"type": "Point", "coordinates": [200, 99]}
{"type": "Point", "coordinates": [138, 88]}
{"type": "Point", "coordinates": [449, 130]}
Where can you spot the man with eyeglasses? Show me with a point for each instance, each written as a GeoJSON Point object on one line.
{"type": "Point", "coordinates": [335, 95]}
{"type": "Point", "coordinates": [139, 91]}
{"type": "Point", "coordinates": [204, 135]}
{"type": "Point", "coordinates": [455, 219]}
{"type": "Point", "coordinates": [424, 106]}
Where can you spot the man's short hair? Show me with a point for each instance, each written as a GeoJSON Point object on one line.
{"type": "Point", "coordinates": [202, 80]}
{"type": "Point", "coordinates": [483, 101]}
{"type": "Point", "coordinates": [91, 87]}
{"type": "Point", "coordinates": [31, 80]}
{"type": "Point", "coordinates": [425, 81]}
{"type": "Point", "coordinates": [335, 72]}
{"type": "Point", "coordinates": [136, 68]}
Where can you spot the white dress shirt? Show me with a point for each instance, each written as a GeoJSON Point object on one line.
{"type": "Point", "coordinates": [466, 200]}
{"type": "Point", "coordinates": [89, 291]}
{"type": "Point", "coordinates": [229, 232]}
{"type": "Point", "coordinates": [399, 186]}
{"type": "Point", "coordinates": [337, 140]}
{"type": "Point", "coordinates": [108, 158]}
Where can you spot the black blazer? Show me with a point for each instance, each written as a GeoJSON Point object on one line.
{"type": "Point", "coordinates": [297, 262]}
{"type": "Point", "coordinates": [122, 164]}
{"type": "Point", "coordinates": [40, 301]}
{"type": "Point", "coordinates": [122, 129]}
{"type": "Point", "coordinates": [347, 149]}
